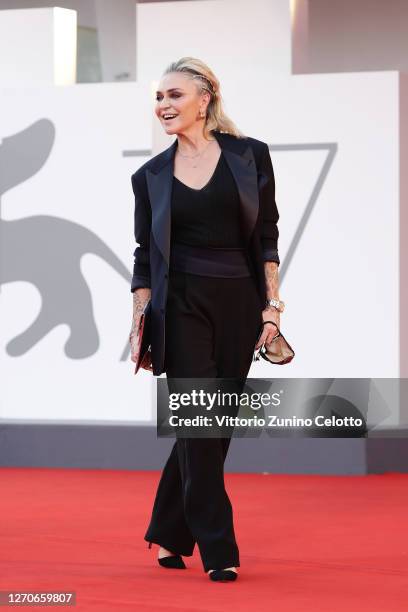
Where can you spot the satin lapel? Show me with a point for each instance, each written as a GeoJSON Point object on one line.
{"type": "Point", "coordinates": [240, 159]}
{"type": "Point", "coordinates": [159, 185]}
{"type": "Point", "coordinates": [243, 168]}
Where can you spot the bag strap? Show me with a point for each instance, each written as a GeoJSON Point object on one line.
{"type": "Point", "coordinates": [263, 323]}
{"type": "Point", "coordinates": [279, 331]}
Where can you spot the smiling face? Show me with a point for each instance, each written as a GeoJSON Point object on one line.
{"type": "Point", "coordinates": [178, 94]}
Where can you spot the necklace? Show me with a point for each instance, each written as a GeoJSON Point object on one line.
{"type": "Point", "coordinates": [197, 155]}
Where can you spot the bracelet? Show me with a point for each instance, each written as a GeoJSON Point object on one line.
{"type": "Point", "coordinates": [277, 304]}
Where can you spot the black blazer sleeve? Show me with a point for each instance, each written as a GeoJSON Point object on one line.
{"type": "Point", "coordinates": [142, 227]}
{"type": "Point", "coordinates": [269, 233]}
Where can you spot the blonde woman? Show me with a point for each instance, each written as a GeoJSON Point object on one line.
{"type": "Point", "coordinates": [207, 256]}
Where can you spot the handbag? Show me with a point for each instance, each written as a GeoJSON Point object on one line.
{"type": "Point", "coordinates": [278, 351]}
{"type": "Point", "coordinates": [143, 334]}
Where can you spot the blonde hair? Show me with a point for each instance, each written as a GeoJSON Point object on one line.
{"type": "Point", "coordinates": [216, 119]}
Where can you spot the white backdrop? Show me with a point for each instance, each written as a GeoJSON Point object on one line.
{"type": "Point", "coordinates": [345, 255]}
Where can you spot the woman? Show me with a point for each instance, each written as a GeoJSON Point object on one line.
{"type": "Point", "coordinates": [205, 222]}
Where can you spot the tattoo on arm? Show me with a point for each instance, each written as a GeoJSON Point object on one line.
{"type": "Point", "coordinates": [272, 279]}
{"type": "Point", "coordinates": [140, 299]}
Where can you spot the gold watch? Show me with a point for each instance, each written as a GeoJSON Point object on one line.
{"type": "Point", "coordinates": [278, 304]}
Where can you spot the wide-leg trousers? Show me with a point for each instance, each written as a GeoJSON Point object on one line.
{"type": "Point", "coordinates": [212, 325]}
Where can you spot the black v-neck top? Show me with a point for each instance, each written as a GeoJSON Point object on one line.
{"type": "Point", "coordinates": [206, 234]}
{"type": "Point", "coordinates": [208, 217]}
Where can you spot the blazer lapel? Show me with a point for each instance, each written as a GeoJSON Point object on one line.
{"type": "Point", "coordinates": [243, 167]}
{"type": "Point", "coordinates": [240, 159]}
{"type": "Point", "coordinates": [159, 180]}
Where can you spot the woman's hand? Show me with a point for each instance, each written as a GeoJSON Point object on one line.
{"type": "Point", "coordinates": [140, 298]}
{"type": "Point", "coordinates": [269, 330]}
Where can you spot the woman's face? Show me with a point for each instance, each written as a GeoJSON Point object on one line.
{"type": "Point", "coordinates": [177, 94]}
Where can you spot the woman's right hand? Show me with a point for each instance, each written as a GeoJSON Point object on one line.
{"type": "Point", "coordinates": [140, 298]}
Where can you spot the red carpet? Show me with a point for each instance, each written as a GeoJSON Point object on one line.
{"type": "Point", "coordinates": [330, 543]}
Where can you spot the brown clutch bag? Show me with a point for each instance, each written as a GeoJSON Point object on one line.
{"type": "Point", "coordinates": [278, 351]}
{"type": "Point", "coordinates": [143, 334]}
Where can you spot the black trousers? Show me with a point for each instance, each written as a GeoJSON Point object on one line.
{"type": "Point", "coordinates": [211, 329]}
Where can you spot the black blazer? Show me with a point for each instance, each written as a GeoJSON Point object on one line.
{"type": "Point", "coordinates": [251, 166]}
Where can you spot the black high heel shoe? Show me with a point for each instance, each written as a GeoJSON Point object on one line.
{"type": "Point", "coordinates": [171, 561]}
{"type": "Point", "coordinates": [223, 575]}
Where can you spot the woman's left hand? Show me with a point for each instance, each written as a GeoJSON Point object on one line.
{"type": "Point", "coordinates": [269, 330]}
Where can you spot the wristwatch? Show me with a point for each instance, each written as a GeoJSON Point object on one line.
{"type": "Point", "coordinates": [278, 304]}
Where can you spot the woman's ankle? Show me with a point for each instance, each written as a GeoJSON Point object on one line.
{"type": "Point", "coordinates": [163, 552]}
